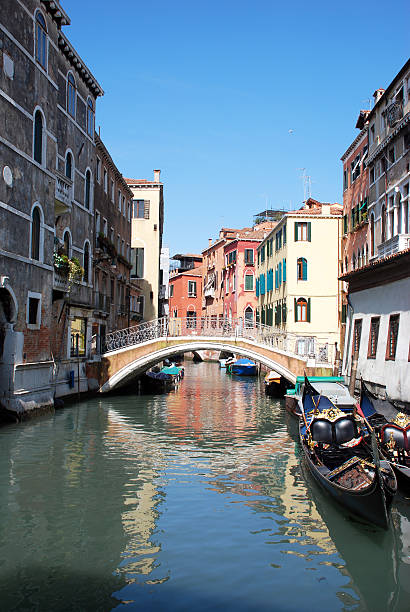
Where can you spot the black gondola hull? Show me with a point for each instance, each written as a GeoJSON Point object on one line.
{"type": "Point", "coordinates": [368, 505]}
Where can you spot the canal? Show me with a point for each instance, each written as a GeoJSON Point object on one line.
{"type": "Point", "coordinates": [193, 500]}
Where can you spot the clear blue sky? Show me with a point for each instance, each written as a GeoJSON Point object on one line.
{"type": "Point", "coordinates": [207, 91]}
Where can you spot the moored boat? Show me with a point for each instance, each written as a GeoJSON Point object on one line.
{"type": "Point", "coordinates": [392, 428]}
{"type": "Point", "coordinates": [275, 384]}
{"type": "Point", "coordinates": [176, 372]}
{"type": "Point", "coordinates": [243, 367]}
{"type": "Point", "coordinates": [159, 381]}
{"type": "Point", "coordinates": [344, 459]}
{"type": "Point", "coordinates": [332, 387]}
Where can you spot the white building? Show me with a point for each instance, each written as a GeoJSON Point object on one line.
{"type": "Point", "coordinates": [378, 325]}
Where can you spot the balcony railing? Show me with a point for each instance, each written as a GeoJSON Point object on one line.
{"type": "Point", "coordinates": [60, 282]}
{"type": "Point", "coordinates": [63, 197]}
{"type": "Point", "coordinates": [393, 245]}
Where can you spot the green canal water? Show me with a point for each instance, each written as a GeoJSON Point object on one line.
{"type": "Point", "coordinates": [195, 500]}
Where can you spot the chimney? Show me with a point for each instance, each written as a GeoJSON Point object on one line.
{"type": "Point", "coordinates": [209, 241]}
{"type": "Point", "coordinates": [377, 95]}
{"type": "Point", "coordinates": [325, 209]}
{"type": "Point", "coordinates": [156, 176]}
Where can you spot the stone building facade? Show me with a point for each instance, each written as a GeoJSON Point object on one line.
{"type": "Point", "coordinates": [47, 151]}
{"type": "Point", "coordinates": [114, 294]}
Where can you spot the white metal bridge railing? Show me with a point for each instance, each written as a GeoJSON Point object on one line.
{"type": "Point", "coordinates": [265, 335]}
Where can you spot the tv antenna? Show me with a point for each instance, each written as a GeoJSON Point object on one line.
{"type": "Point", "coordinates": [307, 184]}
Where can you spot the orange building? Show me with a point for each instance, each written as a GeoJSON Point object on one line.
{"type": "Point", "coordinates": [185, 289]}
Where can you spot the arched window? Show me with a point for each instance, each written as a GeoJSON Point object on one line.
{"type": "Point", "coordinates": [372, 234]}
{"type": "Point", "coordinates": [90, 117]}
{"type": "Point", "coordinates": [302, 268]}
{"type": "Point", "coordinates": [35, 233]}
{"type": "Point", "coordinates": [383, 223]}
{"type": "Point", "coordinates": [67, 243]}
{"type": "Point", "coordinates": [69, 166]}
{"type": "Point", "coordinates": [249, 281]}
{"type": "Point", "coordinates": [71, 94]}
{"type": "Point", "coordinates": [302, 310]}
{"type": "Point", "coordinates": [248, 316]}
{"type": "Point", "coordinates": [87, 197]}
{"type": "Point", "coordinates": [354, 261]}
{"type": "Point", "coordinates": [86, 261]}
{"type": "Point", "coordinates": [38, 137]}
{"type": "Point", "coordinates": [41, 40]}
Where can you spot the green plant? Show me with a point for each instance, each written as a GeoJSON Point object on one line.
{"type": "Point", "coordinates": [61, 263]}
{"type": "Point", "coordinates": [76, 271]}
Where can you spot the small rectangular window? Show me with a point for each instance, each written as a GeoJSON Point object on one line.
{"type": "Point", "coordinates": [357, 332]}
{"type": "Point", "coordinates": [105, 181]}
{"type": "Point", "coordinates": [373, 337]}
{"type": "Point", "coordinates": [302, 231]}
{"type": "Point", "coordinates": [138, 209]}
{"type": "Point", "coordinates": [171, 291]}
{"type": "Point", "coordinates": [249, 256]}
{"type": "Point", "coordinates": [137, 261]}
{"type": "Point", "coordinates": [33, 311]}
{"type": "Point", "coordinates": [392, 337]}
{"type": "Point", "coordinates": [192, 288]}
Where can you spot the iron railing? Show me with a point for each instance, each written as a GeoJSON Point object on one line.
{"type": "Point", "coordinates": [265, 335]}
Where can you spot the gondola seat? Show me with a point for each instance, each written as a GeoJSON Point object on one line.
{"type": "Point", "coordinates": [400, 435]}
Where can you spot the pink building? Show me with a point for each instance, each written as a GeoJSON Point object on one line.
{"type": "Point", "coordinates": [229, 273]}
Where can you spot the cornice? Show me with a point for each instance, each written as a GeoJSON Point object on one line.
{"type": "Point", "coordinates": [75, 60]}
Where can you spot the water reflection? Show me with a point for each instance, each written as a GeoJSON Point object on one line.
{"type": "Point", "coordinates": [195, 499]}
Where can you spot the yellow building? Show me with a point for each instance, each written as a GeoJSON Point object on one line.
{"type": "Point", "coordinates": [146, 242]}
{"type": "Point", "coordinates": [297, 277]}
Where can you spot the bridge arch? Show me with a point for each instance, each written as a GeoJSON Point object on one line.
{"type": "Point", "coordinates": [139, 365]}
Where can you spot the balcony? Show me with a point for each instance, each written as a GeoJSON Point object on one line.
{"type": "Point", "coordinates": [209, 292]}
{"type": "Point", "coordinates": [60, 282]}
{"type": "Point", "coordinates": [63, 194]}
{"type": "Point", "coordinates": [394, 112]}
{"type": "Point", "coordinates": [393, 245]}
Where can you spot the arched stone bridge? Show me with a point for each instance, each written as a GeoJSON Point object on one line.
{"type": "Point", "coordinates": [132, 351]}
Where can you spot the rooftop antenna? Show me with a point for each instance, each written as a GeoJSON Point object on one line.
{"type": "Point", "coordinates": [307, 184]}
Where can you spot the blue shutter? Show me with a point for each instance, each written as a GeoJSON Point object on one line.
{"type": "Point", "coordinates": [284, 270]}
{"type": "Point", "coordinates": [309, 232]}
{"type": "Point", "coordinates": [280, 273]}
{"type": "Point", "coordinates": [257, 287]}
{"type": "Point", "coordinates": [304, 265]}
{"type": "Point", "coordinates": [276, 278]}
{"type": "Point", "coordinates": [296, 231]}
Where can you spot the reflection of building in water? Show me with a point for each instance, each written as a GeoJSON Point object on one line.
{"type": "Point", "coordinates": [141, 495]}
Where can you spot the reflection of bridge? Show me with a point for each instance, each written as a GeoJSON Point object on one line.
{"type": "Point", "coordinates": [131, 351]}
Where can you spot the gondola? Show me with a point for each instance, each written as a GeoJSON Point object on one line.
{"type": "Point", "coordinates": [344, 459]}
{"type": "Point", "coordinates": [392, 428]}
{"type": "Point", "coordinates": [158, 381]}
{"type": "Point", "coordinates": [275, 384]}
